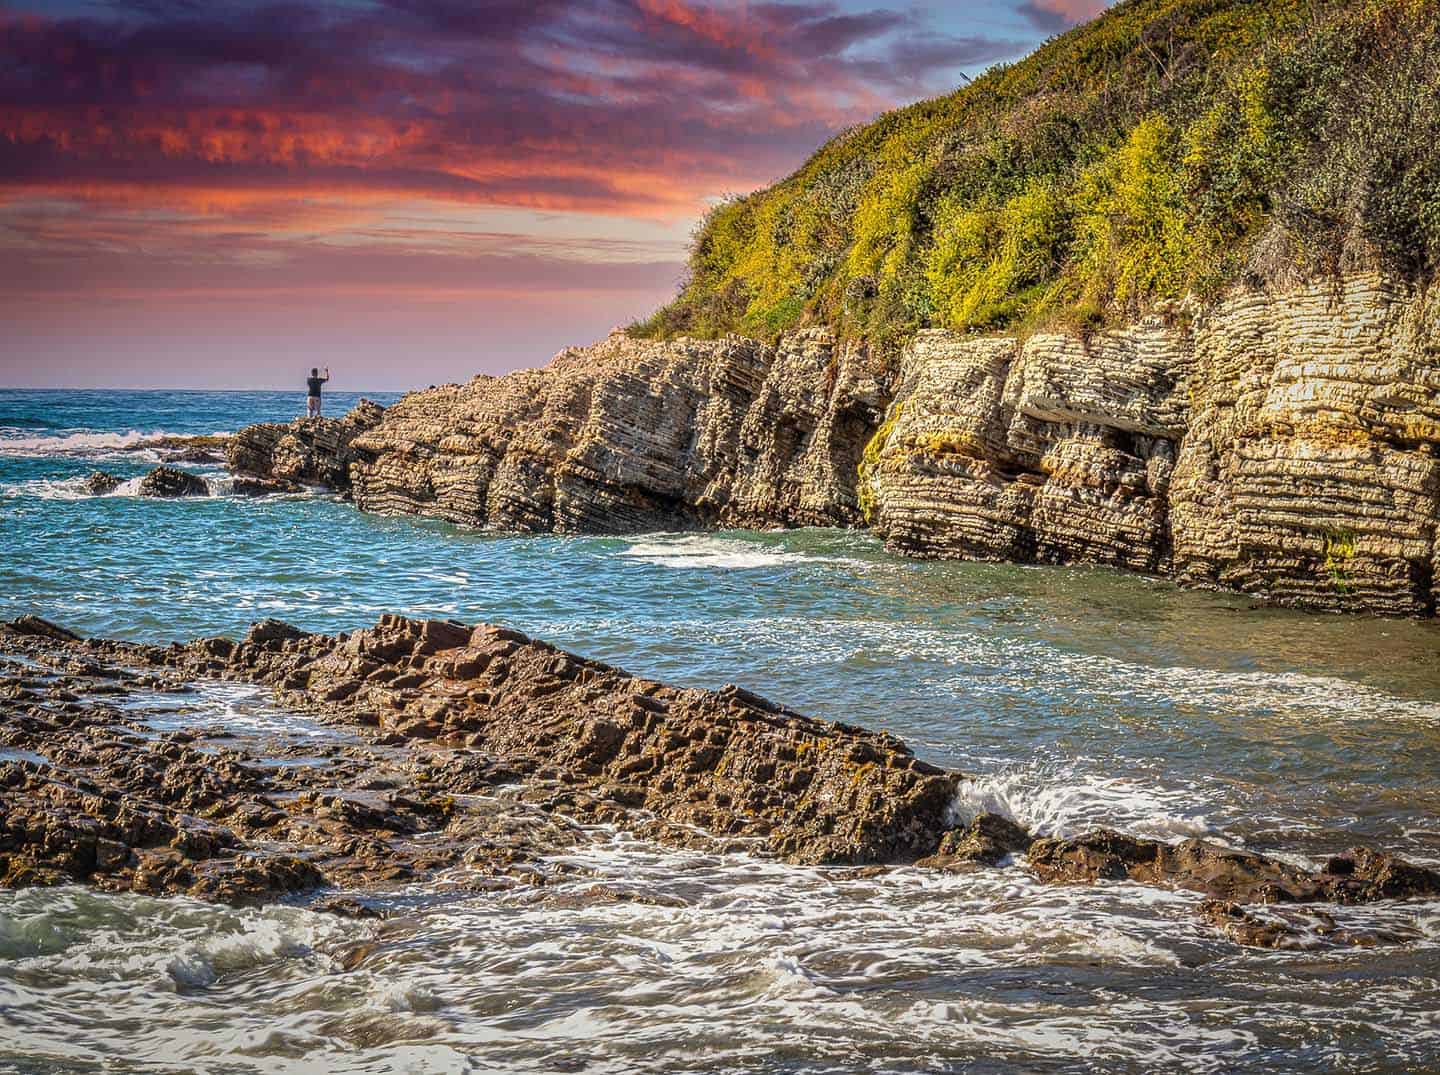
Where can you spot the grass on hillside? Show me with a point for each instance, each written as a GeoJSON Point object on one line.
{"type": "Point", "coordinates": [1169, 147]}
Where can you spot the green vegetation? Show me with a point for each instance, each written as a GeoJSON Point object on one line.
{"type": "Point", "coordinates": [1339, 551]}
{"type": "Point", "coordinates": [1169, 147]}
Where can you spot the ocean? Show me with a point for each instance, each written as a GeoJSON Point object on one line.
{"type": "Point", "coordinates": [1073, 698]}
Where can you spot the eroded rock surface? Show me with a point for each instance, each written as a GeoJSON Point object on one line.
{"type": "Point", "coordinates": [307, 451]}
{"type": "Point", "coordinates": [469, 756]}
{"type": "Point", "coordinates": [633, 435]}
{"type": "Point", "coordinates": [725, 761]}
{"type": "Point", "coordinates": [1282, 444]}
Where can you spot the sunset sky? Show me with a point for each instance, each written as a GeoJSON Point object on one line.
{"type": "Point", "coordinates": [215, 193]}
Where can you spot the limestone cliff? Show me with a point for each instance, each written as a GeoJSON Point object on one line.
{"type": "Point", "coordinates": [633, 435]}
{"type": "Point", "coordinates": [1280, 443]}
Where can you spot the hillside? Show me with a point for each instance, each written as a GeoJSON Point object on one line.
{"type": "Point", "coordinates": [1170, 147]}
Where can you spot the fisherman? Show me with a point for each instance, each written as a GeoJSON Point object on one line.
{"type": "Point", "coordinates": [314, 381]}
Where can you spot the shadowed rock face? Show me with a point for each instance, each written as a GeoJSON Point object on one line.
{"type": "Point", "coordinates": [169, 483]}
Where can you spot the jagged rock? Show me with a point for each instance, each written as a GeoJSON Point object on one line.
{"type": "Point", "coordinates": [98, 483]}
{"type": "Point", "coordinates": [1358, 876]}
{"type": "Point", "coordinates": [634, 435]}
{"type": "Point", "coordinates": [307, 451]}
{"type": "Point", "coordinates": [728, 761]}
{"type": "Point", "coordinates": [35, 627]}
{"type": "Point", "coordinates": [989, 840]}
{"type": "Point", "coordinates": [272, 631]}
{"type": "Point", "coordinates": [169, 483]}
{"type": "Point", "coordinates": [263, 487]}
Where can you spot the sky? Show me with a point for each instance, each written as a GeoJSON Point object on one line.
{"type": "Point", "coordinates": [213, 193]}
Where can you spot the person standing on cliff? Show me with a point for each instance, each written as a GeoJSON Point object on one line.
{"type": "Point", "coordinates": [313, 382]}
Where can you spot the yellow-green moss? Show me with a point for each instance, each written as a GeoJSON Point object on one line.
{"type": "Point", "coordinates": [870, 461]}
{"type": "Point", "coordinates": [1339, 552]}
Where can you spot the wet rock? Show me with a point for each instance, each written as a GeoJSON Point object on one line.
{"type": "Point", "coordinates": [265, 631]}
{"type": "Point", "coordinates": [727, 762]}
{"type": "Point", "coordinates": [35, 627]}
{"type": "Point", "coordinates": [208, 456]}
{"type": "Point", "coordinates": [988, 841]}
{"type": "Point", "coordinates": [168, 482]}
{"type": "Point", "coordinates": [1359, 875]}
{"type": "Point", "coordinates": [99, 483]}
{"type": "Point", "coordinates": [264, 487]}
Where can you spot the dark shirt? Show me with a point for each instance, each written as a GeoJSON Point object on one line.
{"type": "Point", "coordinates": [315, 383]}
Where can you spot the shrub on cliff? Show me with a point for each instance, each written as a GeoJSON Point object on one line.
{"type": "Point", "coordinates": [1170, 146]}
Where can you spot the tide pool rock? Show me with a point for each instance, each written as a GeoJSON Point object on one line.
{"type": "Point", "coordinates": [99, 483]}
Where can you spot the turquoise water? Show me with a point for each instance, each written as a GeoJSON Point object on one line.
{"type": "Point", "coordinates": [1074, 698]}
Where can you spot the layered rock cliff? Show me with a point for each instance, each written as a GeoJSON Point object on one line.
{"type": "Point", "coordinates": [1279, 443]}
{"type": "Point", "coordinates": [633, 435]}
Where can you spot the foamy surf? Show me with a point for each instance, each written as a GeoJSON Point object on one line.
{"type": "Point", "coordinates": [87, 443]}
{"type": "Point", "coordinates": [706, 551]}
{"type": "Point", "coordinates": [1063, 801]}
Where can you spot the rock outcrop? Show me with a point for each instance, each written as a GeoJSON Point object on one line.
{"type": "Point", "coordinates": [633, 435]}
{"type": "Point", "coordinates": [726, 761]}
{"type": "Point", "coordinates": [170, 482]}
{"type": "Point", "coordinates": [1278, 444]}
{"type": "Point", "coordinates": [468, 755]}
{"type": "Point", "coordinates": [307, 451]}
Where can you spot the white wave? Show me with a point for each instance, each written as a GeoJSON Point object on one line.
{"type": "Point", "coordinates": [718, 553]}
{"type": "Point", "coordinates": [1070, 803]}
{"type": "Point", "coordinates": [78, 488]}
{"type": "Point", "coordinates": [85, 443]}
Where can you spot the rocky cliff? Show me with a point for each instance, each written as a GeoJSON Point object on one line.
{"type": "Point", "coordinates": [307, 451]}
{"type": "Point", "coordinates": [1280, 443]}
{"type": "Point", "coordinates": [635, 435]}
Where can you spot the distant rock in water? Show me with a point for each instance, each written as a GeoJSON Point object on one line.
{"type": "Point", "coordinates": [99, 483]}
{"type": "Point", "coordinates": [307, 451]}
{"type": "Point", "coordinates": [170, 483]}
{"type": "Point", "coordinates": [263, 487]}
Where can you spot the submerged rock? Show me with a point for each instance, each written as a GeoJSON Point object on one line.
{"type": "Point", "coordinates": [99, 483]}
{"type": "Point", "coordinates": [168, 482]}
{"type": "Point", "coordinates": [989, 840]}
